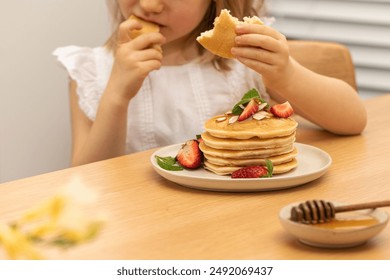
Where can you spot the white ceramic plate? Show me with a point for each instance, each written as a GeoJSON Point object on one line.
{"type": "Point", "coordinates": [312, 164]}
{"type": "Point", "coordinates": [350, 228]}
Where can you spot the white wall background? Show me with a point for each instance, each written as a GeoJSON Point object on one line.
{"type": "Point", "coordinates": [34, 107]}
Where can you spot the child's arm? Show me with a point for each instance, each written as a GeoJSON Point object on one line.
{"type": "Point", "coordinates": [328, 102]}
{"type": "Point", "coordinates": [105, 137]}
{"type": "Point", "coordinates": [102, 139]}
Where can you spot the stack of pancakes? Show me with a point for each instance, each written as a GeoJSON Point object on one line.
{"type": "Point", "coordinates": [231, 146]}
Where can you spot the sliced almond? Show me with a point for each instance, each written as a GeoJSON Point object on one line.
{"type": "Point", "coordinates": [258, 116]}
{"type": "Point", "coordinates": [221, 119]}
{"type": "Point", "coordinates": [262, 106]}
{"type": "Point", "coordinates": [233, 119]}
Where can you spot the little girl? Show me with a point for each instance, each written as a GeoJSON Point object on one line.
{"type": "Point", "coordinates": [127, 96]}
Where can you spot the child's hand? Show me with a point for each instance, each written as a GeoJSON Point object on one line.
{"type": "Point", "coordinates": [265, 50]}
{"type": "Point", "coordinates": [133, 60]}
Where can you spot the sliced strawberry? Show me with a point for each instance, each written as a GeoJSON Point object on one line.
{"type": "Point", "coordinates": [190, 156]}
{"type": "Point", "coordinates": [256, 171]}
{"type": "Point", "coordinates": [250, 172]}
{"type": "Point", "coordinates": [282, 110]}
{"type": "Point", "coordinates": [250, 109]}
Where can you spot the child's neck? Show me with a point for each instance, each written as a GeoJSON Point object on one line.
{"type": "Point", "coordinates": [176, 54]}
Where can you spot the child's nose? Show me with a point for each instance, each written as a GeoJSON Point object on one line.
{"type": "Point", "coordinates": [152, 6]}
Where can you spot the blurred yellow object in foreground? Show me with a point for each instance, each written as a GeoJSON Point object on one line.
{"type": "Point", "coordinates": [16, 244]}
{"type": "Point", "coordinates": [67, 219]}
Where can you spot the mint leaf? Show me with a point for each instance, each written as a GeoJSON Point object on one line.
{"type": "Point", "coordinates": [168, 163]}
{"type": "Point", "coordinates": [253, 93]}
{"type": "Point", "coordinates": [270, 168]}
{"type": "Point", "coordinates": [168, 160]}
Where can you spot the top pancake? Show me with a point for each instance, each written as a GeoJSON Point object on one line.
{"type": "Point", "coordinates": [265, 128]}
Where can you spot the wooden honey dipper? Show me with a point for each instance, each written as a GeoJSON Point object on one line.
{"type": "Point", "coordinates": [320, 211]}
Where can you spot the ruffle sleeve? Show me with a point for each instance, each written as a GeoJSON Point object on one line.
{"type": "Point", "coordinates": [81, 65]}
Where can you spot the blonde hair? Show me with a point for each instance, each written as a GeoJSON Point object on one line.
{"type": "Point", "coordinates": [237, 8]}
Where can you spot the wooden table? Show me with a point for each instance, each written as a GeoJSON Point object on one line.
{"type": "Point", "coordinates": [152, 218]}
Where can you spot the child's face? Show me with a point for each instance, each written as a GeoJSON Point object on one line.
{"type": "Point", "coordinates": [176, 18]}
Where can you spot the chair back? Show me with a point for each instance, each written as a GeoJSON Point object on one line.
{"type": "Point", "coordinates": [326, 58]}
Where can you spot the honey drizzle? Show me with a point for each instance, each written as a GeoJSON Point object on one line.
{"type": "Point", "coordinates": [348, 223]}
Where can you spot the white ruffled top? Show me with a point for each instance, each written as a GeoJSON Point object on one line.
{"type": "Point", "coordinates": [173, 102]}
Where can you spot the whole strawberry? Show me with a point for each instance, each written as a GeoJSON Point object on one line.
{"type": "Point", "coordinates": [255, 171]}
{"type": "Point", "coordinates": [190, 156]}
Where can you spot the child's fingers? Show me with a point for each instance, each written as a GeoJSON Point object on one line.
{"type": "Point", "coordinates": [265, 69]}
{"type": "Point", "coordinates": [246, 28]}
{"type": "Point", "coordinates": [125, 28]}
{"type": "Point", "coordinates": [151, 65]}
{"type": "Point", "coordinates": [257, 41]}
{"type": "Point", "coordinates": [130, 56]}
{"type": "Point", "coordinates": [260, 67]}
{"type": "Point", "coordinates": [260, 36]}
{"type": "Point", "coordinates": [148, 40]}
{"type": "Point", "coordinates": [256, 54]}
{"type": "Point", "coordinates": [146, 55]}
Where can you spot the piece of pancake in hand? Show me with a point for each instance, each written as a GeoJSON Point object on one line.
{"type": "Point", "coordinates": [221, 39]}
